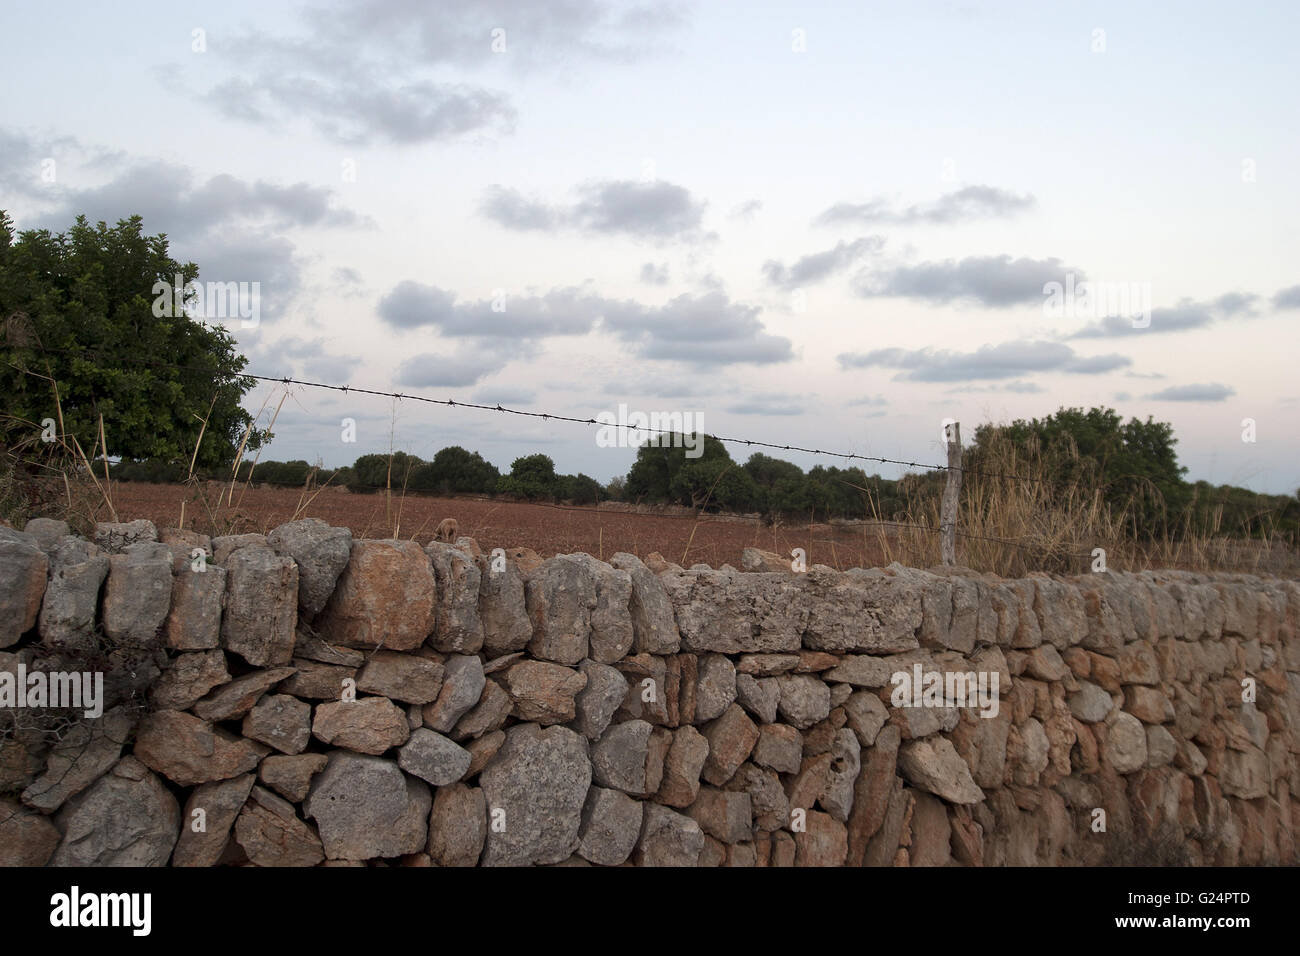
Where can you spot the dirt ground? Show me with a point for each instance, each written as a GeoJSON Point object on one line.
{"type": "Point", "coordinates": [547, 529]}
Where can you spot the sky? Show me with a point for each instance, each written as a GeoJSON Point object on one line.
{"type": "Point", "coordinates": [834, 225]}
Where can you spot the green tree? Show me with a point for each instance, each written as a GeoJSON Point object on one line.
{"type": "Point", "coordinates": [79, 307]}
{"type": "Point", "coordinates": [383, 471]}
{"type": "Point", "coordinates": [1134, 462]}
{"type": "Point", "coordinates": [579, 489]}
{"type": "Point", "coordinates": [532, 476]}
{"type": "Point", "coordinates": [455, 469]}
{"type": "Point", "coordinates": [660, 459]}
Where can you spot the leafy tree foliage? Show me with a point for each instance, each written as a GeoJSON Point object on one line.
{"type": "Point", "coordinates": [78, 307]}
{"type": "Point", "coordinates": [532, 476]}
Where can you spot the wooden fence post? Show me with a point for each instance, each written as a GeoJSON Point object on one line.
{"type": "Point", "coordinates": [951, 496]}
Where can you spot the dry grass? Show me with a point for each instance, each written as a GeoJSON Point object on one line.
{"type": "Point", "coordinates": [1011, 526]}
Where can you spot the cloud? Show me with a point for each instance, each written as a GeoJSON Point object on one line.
{"type": "Point", "coordinates": [1183, 317]}
{"type": "Point", "coordinates": [1288, 298]}
{"type": "Point", "coordinates": [769, 405]}
{"type": "Point", "coordinates": [169, 199]}
{"type": "Point", "coordinates": [1193, 393]}
{"type": "Point", "coordinates": [1008, 360]}
{"type": "Point", "coordinates": [705, 331]}
{"type": "Point", "coordinates": [462, 366]}
{"type": "Point", "coordinates": [1019, 388]}
{"type": "Point", "coordinates": [746, 210]}
{"type": "Point", "coordinates": [378, 70]}
{"type": "Point", "coordinates": [509, 208]}
{"type": "Point", "coordinates": [230, 227]}
{"type": "Point", "coordinates": [993, 281]}
{"type": "Point", "coordinates": [817, 266]}
{"type": "Point", "coordinates": [652, 274]}
{"type": "Point", "coordinates": [359, 110]}
{"type": "Point", "coordinates": [875, 400]}
{"type": "Point", "coordinates": [655, 210]}
{"type": "Point", "coordinates": [504, 395]}
{"type": "Point", "coordinates": [568, 311]}
{"type": "Point", "coordinates": [965, 205]}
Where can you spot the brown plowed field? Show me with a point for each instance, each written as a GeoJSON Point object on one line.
{"type": "Point", "coordinates": [547, 529]}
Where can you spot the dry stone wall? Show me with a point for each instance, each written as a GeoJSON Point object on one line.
{"type": "Point", "coordinates": [307, 698]}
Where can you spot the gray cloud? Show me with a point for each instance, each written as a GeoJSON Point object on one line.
{"type": "Point", "coordinates": [965, 205]}
{"type": "Point", "coordinates": [363, 72]}
{"type": "Point", "coordinates": [1193, 393]}
{"type": "Point", "coordinates": [994, 281]}
{"type": "Point", "coordinates": [705, 330]}
{"type": "Point", "coordinates": [652, 274]}
{"type": "Point", "coordinates": [1183, 317]}
{"type": "Point", "coordinates": [1008, 360]}
{"type": "Point", "coordinates": [360, 109]}
{"type": "Point", "coordinates": [504, 395]}
{"type": "Point", "coordinates": [817, 266]}
{"type": "Point", "coordinates": [1288, 298]}
{"type": "Point", "coordinates": [559, 312]}
{"type": "Point", "coordinates": [1019, 388]}
{"type": "Point", "coordinates": [656, 210]}
{"type": "Point", "coordinates": [169, 200]}
{"type": "Point", "coordinates": [769, 405]}
{"type": "Point", "coordinates": [463, 366]}
{"type": "Point", "coordinates": [747, 210]}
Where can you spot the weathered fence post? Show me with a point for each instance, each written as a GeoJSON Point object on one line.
{"type": "Point", "coordinates": [951, 496]}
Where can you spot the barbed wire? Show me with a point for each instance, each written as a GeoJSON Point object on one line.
{"type": "Point", "coordinates": [552, 416]}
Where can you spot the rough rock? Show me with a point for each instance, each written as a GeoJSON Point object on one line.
{"type": "Point", "coordinates": [462, 684]}
{"type": "Point", "coordinates": [209, 814]}
{"type": "Point", "coordinates": [189, 751]}
{"type": "Point", "coordinates": [611, 825]}
{"type": "Point", "coordinates": [731, 740]}
{"type": "Point", "coordinates": [457, 628]}
{"type": "Point", "coordinates": [116, 536]}
{"type": "Point", "coordinates": [457, 826]}
{"type": "Point", "coordinates": [237, 698]}
{"type": "Point", "coordinates": [595, 704]}
{"type": "Point", "coordinates": [405, 677]}
{"type": "Point", "coordinates": [432, 757]}
{"type": "Point", "coordinates": [654, 626]}
{"type": "Point", "coordinates": [537, 784]}
{"type": "Point", "coordinates": [365, 807]}
{"type": "Point", "coordinates": [23, 569]}
{"type": "Point", "coordinates": [26, 838]}
{"type": "Point", "coordinates": [126, 818]}
{"type": "Point", "coordinates": [385, 596]}
{"type": "Point", "coordinates": [805, 700]}
{"type": "Point", "coordinates": [194, 619]}
{"type": "Point", "coordinates": [280, 721]}
{"type": "Point", "coordinates": [544, 692]}
{"type": "Point", "coordinates": [931, 764]}
{"type": "Point", "coordinates": [369, 725]}
{"type": "Point", "coordinates": [321, 553]}
{"type": "Point", "coordinates": [682, 767]}
{"type": "Point", "coordinates": [668, 838]}
{"type": "Point", "coordinates": [290, 776]}
{"type": "Point", "coordinates": [561, 596]}
{"type": "Point", "coordinates": [89, 749]}
{"type": "Point", "coordinates": [271, 834]}
{"type": "Point", "coordinates": [261, 606]}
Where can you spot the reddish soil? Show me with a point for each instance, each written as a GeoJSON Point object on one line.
{"type": "Point", "coordinates": [547, 529]}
